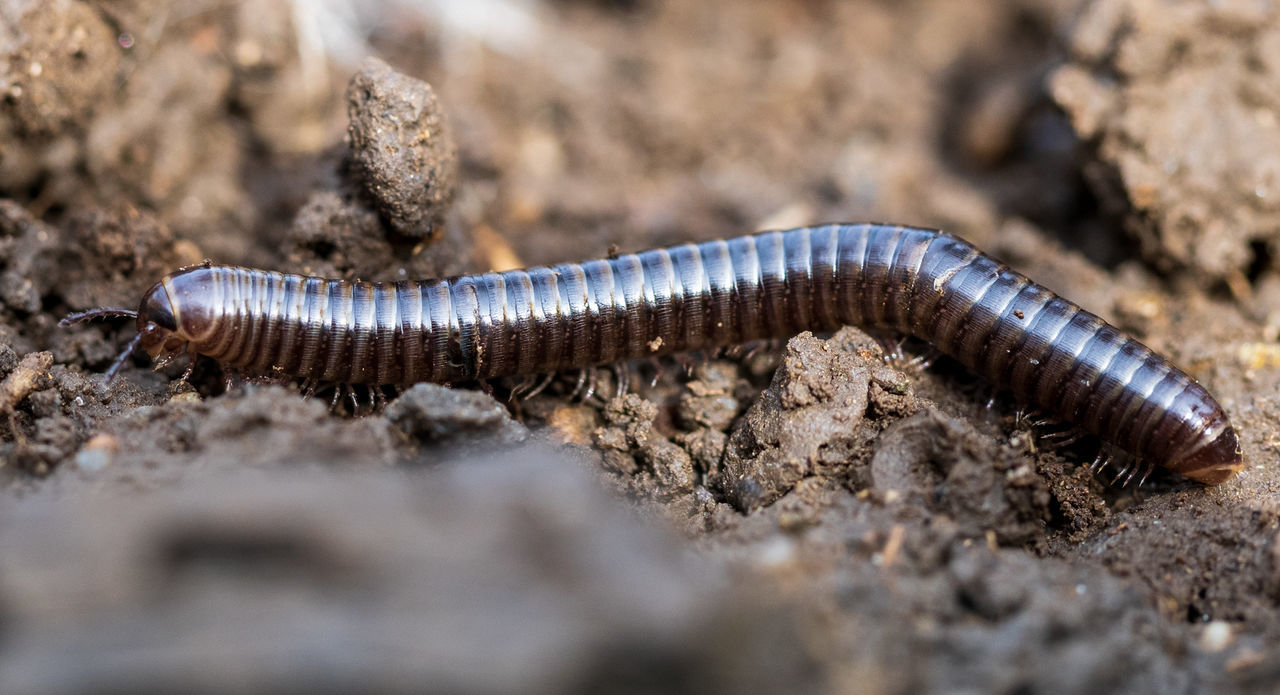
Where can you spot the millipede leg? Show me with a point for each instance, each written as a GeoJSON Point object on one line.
{"type": "Point", "coordinates": [923, 361]}
{"type": "Point", "coordinates": [516, 392]}
{"type": "Point", "coordinates": [1134, 469]}
{"type": "Point", "coordinates": [1129, 472]}
{"type": "Point", "coordinates": [1099, 463]}
{"type": "Point", "coordinates": [1124, 465]}
{"type": "Point", "coordinates": [1063, 438]}
{"type": "Point", "coordinates": [582, 382]}
{"type": "Point", "coordinates": [621, 379]}
{"type": "Point", "coordinates": [191, 366]}
{"type": "Point", "coordinates": [1045, 421]}
{"type": "Point", "coordinates": [892, 348]}
{"type": "Point", "coordinates": [687, 365]}
{"type": "Point", "coordinates": [546, 381]}
{"type": "Point", "coordinates": [1147, 468]}
{"type": "Point", "coordinates": [748, 351]}
{"type": "Point", "coordinates": [658, 371]}
{"type": "Point", "coordinates": [162, 362]}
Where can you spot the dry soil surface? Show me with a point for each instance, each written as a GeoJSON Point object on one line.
{"type": "Point", "coordinates": [798, 517]}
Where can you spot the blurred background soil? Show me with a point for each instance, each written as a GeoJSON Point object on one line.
{"type": "Point", "coordinates": [796, 516]}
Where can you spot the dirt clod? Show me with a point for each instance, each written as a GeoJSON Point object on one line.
{"type": "Point", "coordinates": [26, 377]}
{"type": "Point", "coordinates": [628, 421]}
{"type": "Point", "coordinates": [434, 414]}
{"type": "Point", "coordinates": [955, 471]}
{"type": "Point", "coordinates": [706, 446]}
{"type": "Point", "coordinates": [652, 465]}
{"type": "Point", "coordinates": [808, 422]}
{"type": "Point", "coordinates": [1181, 101]}
{"type": "Point", "coordinates": [401, 148]}
{"type": "Point", "coordinates": [709, 401]}
{"type": "Point", "coordinates": [387, 217]}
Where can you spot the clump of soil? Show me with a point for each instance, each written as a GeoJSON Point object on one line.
{"type": "Point", "coordinates": [1179, 101]}
{"type": "Point", "coordinates": [810, 420]}
{"type": "Point", "coordinates": [432, 414]}
{"type": "Point", "coordinates": [401, 150]}
{"type": "Point", "coordinates": [385, 216]}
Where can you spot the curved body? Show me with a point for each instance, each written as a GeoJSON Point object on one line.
{"type": "Point", "coordinates": [1049, 352]}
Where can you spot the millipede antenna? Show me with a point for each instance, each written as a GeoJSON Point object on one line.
{"type": "Point", "coordinates": [106, 312]}
{"type": "Point", "coordinates": [95, 314]}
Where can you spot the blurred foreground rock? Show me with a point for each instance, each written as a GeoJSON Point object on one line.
{"type": "Point", "coordinates": [487, 576]}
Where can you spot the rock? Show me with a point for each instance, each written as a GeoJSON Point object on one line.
{"type": "Point", "coordinates": [432, 414]}
{"type": "Point", "coordinates": [808, 419]}
{"type": "Point", "coordinates": [1181, 101]}
{"type": "Point", "coordinates": [400, 148]}
{"type": "Point", "coordinates": [508, 574]}
{"type": "Point", "coordinates": [709, 400]}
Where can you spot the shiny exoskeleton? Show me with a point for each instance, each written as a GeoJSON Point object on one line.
{"type": "Point", "coordinates": [1049, 352]}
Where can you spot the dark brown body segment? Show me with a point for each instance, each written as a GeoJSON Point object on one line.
{"type": "Point", "coordinates": [1049, 352]}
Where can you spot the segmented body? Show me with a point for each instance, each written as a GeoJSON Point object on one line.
{"type": "Point", "coordinates": [1049, 352]}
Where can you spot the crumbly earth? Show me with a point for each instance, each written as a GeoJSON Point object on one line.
{"type": "Point", "coordinates": [795, 516]}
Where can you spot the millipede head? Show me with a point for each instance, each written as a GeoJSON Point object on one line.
{"type": "Point", "coordinates": [156, 323]}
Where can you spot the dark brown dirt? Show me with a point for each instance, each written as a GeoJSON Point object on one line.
{"type": "Point", "coordinates": [801, 517]}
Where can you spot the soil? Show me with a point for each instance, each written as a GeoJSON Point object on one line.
{"type": "Point", "coordinates": [801, 516]}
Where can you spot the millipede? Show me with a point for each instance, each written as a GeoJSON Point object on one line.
{"type": "Point", "coordinates": [1048, 352]}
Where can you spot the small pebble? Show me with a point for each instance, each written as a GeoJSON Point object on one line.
{"type": "Point", "coordinates": [1258, 355]}
{"type": "Point", "coordinates": [1216, 636]}
{"type": "Point", "coordinates": [778, 552]}
{"type": "Point", "coordinates": [97, 453]}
